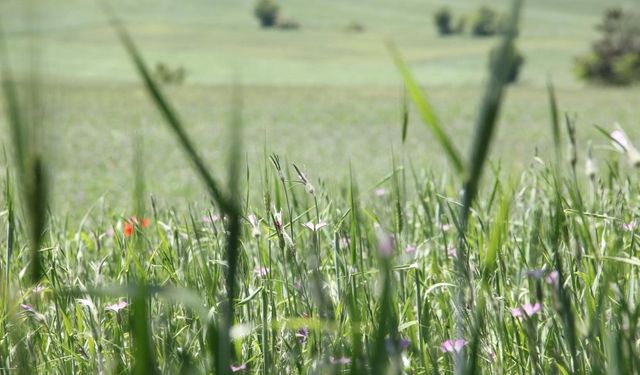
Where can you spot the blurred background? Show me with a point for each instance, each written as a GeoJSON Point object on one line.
{"type": "Point", "coordinates": [319, 87]}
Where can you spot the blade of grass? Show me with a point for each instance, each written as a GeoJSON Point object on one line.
{"type": "Point", "coordinates": [425, 109]}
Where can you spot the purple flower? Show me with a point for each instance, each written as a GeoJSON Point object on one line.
{"type": "Point", "coordinates": [381, 192]}
{"type": "Point", "coordinates": [386, 244]}
{"type": "Point", "coordinates": [527, 310]}
{"type": "Point", "coordinates": [410, 249]}
{"type": "Point", "coordinates": [302, 335]}
{"type": "Point", "coordinates": [453, 346]}
{"type": "Point", "coordinates": [452, 252]}
{"type": "Point", "coordinates": [261, 271]}
{"type": "Point", "coordinates": [27, 308]}
{"type": "Point", "coordinates": [238, 368]}
{"type": "Point", "coordinates": [552, 277]}
{"type": "Point", "coordinates": [116, 307]}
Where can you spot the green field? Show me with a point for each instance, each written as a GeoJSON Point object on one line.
{"type": "Point", "coordinates": [309, 238]}
{"type": "Point", "coordinates": [319, 96]}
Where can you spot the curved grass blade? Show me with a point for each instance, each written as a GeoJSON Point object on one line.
{"type": "Point", "coordinates": [489, 111]}
{"type": "Point", "coordinates": [425, 109]}
{"type": "Point", "coordinates": [169, 114]}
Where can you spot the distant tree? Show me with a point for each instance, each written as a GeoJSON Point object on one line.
{"type": "Point", "coordinates": [615, 56]}
{"type": "Point", "coordinates": [485, 22]}
{"type": "Point", "coordinates": [267, 12]}
{"type": "Point", "coordinates": [443, 20]}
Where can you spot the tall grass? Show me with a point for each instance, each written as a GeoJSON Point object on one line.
{"type": "Point", "coordinates": [527, 276]}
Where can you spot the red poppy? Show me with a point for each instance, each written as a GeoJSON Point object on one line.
{"type": "Point", "coordinates": [132, 222]}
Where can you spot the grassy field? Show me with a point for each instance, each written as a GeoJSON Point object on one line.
{"type": "Point", "coordinates": [324, 245]}
{"type": "Point", "coordinates": [319, 96]}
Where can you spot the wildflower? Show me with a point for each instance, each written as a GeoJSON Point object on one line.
{"type": "Point", "coordinates": [381, 192]}
{"type": "Point", "coordinates": [302, 335]}
{"type": "Point", "coordinates": [116, 307]}
{"type": "Point", "coordinates": [622, 141]}
{"type": "Point", "coordinates": [238, 368]}
{"type": "Point", "coordinates": [316, 227]}
{"type": "Point", "coordinates": [255, 225]}
{"type": "Point", "coordinates": [445, 227]}
{"type": "Point", "coordinates": [304, 180]}
{"type": "Point", "coordinates": [340, 361]}
{"type": "Point", "coordinates": [630, 226]}
{"type": "Point", "coordinates": [277, 221]}
{"type": "Point", "coordinates": [452, 252]}
{"type": "Point", "coordinates": [261, 271]}
{"type": "Point", "coordinates": [410, 249]}
{"type": "Point", "coordinates": [552, 278]}
{"type": "Point", "coordinates": [133, 222]}
{"type": "Point", "coordinates": [27, 308]}
{"type": "Point", "coordinates": [526, 311]}
{"type": "Point", "coordinates": [210, 218]}
{"type": "Point", "coordinates": [451, 346]}
{"type": "Point", "coordinates": [386, 244]}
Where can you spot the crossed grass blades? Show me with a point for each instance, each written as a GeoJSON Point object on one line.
{"type": "Point", "coordinates": [406, 277]}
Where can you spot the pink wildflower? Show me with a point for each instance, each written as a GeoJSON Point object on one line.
{"type": "Point", "coordinates": [526, 311]}
{"type": "Point", "coordinates": [552, 277]}
{"type": "Point", "coordinates": [116, 307]}
{"type": "Point", "coordinates": [451, 346]}
{"type": "Point", "coordinates": [238, 368]}
{"type": "Point", "coordinates": [261, 271]}
{"type": "Point", "coordinates": [630, 226]}
{"type": "Point", "coordinates": [316, 227]}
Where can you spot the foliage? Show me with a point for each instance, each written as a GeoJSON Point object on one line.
{"type": "Point", "coordinates": [615, 57]}
{"type": "Point", "coordinates": [168, 75]}
{"type": "Point", "coordinates": [267, 12]}
{"type": "Point", "coordinates": [486, 22]}
{"type": "Point", "coordinates": [443, 20]}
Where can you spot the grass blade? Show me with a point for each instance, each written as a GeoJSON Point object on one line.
{"type": "Point", "coordinates": [425, 109]}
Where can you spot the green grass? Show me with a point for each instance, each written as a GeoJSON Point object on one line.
{"type": "Point", "coordinates": [287, 227]}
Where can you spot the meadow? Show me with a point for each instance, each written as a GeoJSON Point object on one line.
{"type": "Point", "coordinates": [311, 237]}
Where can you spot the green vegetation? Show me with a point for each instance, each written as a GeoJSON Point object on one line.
{"type": "Point", "coordinates": [616, 55]}
{"type": "Point", "coordinates": [267, 12]}
{"type": "Point", "coordinates": [444, 22]}
{"type": "Point", "coordinates": [311, 259]}
{"type": "Point", "coordinates": [486, 22]}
